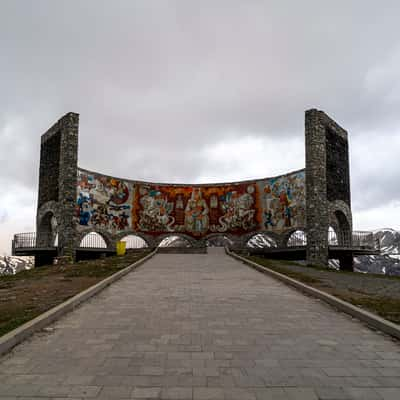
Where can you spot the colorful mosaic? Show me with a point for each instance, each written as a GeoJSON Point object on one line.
{"type": "Point", "coordinates": [103, 202]}
{"type": "Point", "coordinates": [274, 204]}
{"type": "Point", "coordinates": [283, 201]}
{"type": "Point", "coordinates": [195, 210]}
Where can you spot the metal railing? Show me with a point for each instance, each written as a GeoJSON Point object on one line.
{"type": "Point", "coordinates": [355, 239]}
{"type": "Point", "coordinates": [31, 240]}
{"type": "Point", "coordinates": [297, 239]}
{"type": "Point", "coordinates": [365, 240]}
{"type": "Point", "coordinates": [93, 240]}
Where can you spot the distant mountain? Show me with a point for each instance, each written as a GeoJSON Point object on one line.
{"type": "Point", "coordinates": [389, 240]}
{"type": "Point", "coordinates": [388, 262]}
{"type": "Point", "coordinates": [174, 241]}
{"type": "Point", "coordinates": [261, 241]}
{"type": "Point", "coordinates": [10, 265]}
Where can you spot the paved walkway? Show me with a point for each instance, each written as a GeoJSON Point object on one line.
{"type": "Point", "coordinates": [203, 327]}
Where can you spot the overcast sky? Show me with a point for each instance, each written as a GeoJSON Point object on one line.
{"type": "Point", "coordinates": [199, 91]}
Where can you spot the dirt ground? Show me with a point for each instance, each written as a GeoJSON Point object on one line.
{"type": "Point", "coordinates": [379, 294]}
{"type": "Point", "coordinates": [29, 293]}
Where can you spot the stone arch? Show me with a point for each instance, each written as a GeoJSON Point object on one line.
{"type": "Point", "coordinates": [340, 218]}
{"type": "Point", "coordinates": [333, 236]}
{"type": "Point", "coordinates": [296, 238]}
{"type": "Point", "coordinates": [150, 242]}
{"type": "Point", "coordinates": [50, 206]}
{"type": "Point", "coordinates": [47, 222]}
{"type": "Point", "coordinates": [344, 233]}
{"type": "Point", "coordinates": [220, 239]}
{"type": "Point", "coordinates": [269, 239]}
{"type": "Point", "coordinates": [108, 239]}
{"type": "Point", "coordinates": [134, 241]}
{"type": "Point", "coordinates": [285, 236]}
{"type": "Point", "coordinates": [93, 240]}
{"type": "Point", "coordinates": [186, 238]}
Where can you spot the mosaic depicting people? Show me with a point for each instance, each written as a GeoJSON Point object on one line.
{"type": "Point", "coordinates": [196, 213]}
{"type": "Point", "coordinates": [284, 201]}
{"type": "Point", "coordinates": [238, 210]}
{"type": "Point", "coordinates": [103, 202]}
{"type": "Point", "coordinates": [156, 210]}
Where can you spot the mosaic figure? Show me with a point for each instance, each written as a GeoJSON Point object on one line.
{"type": "Point", "coordinates": [103, 202]}
{"type": "Point", "coordinates": [156, 210]}
{"type": "Point", "coordinates": [196, 213]}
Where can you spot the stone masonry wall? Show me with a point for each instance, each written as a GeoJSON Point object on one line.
{"type": "Point", "coordinates": [316, 196]}
{"type": "Point", "coordinates": [327, 181]}
{"type": "Point", "coordinates": [57, 181]}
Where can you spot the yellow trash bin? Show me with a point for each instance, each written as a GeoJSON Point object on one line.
{"type": "Point", "coordinates": [121, 248]}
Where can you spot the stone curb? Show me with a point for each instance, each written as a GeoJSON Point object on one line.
{"type": "Point", "coordinates": [16, 336]}
{"type": "Point", "coordinates": [365, 316]}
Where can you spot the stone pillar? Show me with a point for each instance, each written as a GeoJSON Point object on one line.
{"type": "Point", "coordinates": [317, 219]}
{"type": "Point", "coordinates": [327, 185]}
{"type": "Point", "coordinates": [68, 182]}
{"type": "Point", "coordinates": [57, 184]}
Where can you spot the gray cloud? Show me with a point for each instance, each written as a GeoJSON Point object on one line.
{"type": "Point", "coordinates": [3, 216]}
{"type": "Point", "coordinates": [160, 84]}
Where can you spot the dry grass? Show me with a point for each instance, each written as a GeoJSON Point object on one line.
{"type": "Point", "coordinates": [30, 293]}
{"type": "Point", "coordinates": [386, 306]}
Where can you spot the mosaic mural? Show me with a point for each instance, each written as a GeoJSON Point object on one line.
{"type": "Point", "coordinates": [283, 201]}
{"type": "Point", "coordinates": [195, 210]}
{"type": "Point", "coordinates": [103, 202]}
{"type": "Point", "coordinates": [272, 204]}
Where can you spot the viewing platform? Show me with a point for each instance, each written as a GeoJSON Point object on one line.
{"type": "Point", "coordinates": [93, 245]}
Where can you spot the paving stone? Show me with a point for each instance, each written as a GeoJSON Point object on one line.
{"type": "Point", "coordinates": [208, 393]}
{"type": "Point", "coordinates": [84, 391]}
{"type": "Point", "coordinates": [177, 393]}
{"type": "Point", "coordinates": [203, 327]}
{"type": "Point", "coordinates": [239, 394]}
{"type": "Point", "coordinates": [299, 393]}
{"type": "Point", "coordinates": [326, 393]}
{"type": "Point", "coordinates": [389, 393]}
{"type": "Point", "coordinates": [146, 393]}
{"type": "Point", "coordinates": [115, 392]}
{"type": "Point", "coordinates": [271, 394]}
{"type": "Point", "coordinates": [358, 393]}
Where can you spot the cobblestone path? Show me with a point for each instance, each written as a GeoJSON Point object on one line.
{"type": "Point", "coordinates": [203, 327]}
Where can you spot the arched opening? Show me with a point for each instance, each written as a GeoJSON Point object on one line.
{"type": "Point", "coordinates": [332, 237]}
{"type": "Point", "coordinates": [175, 241]}
{"type": "Point", "coordinates": [218, 241]}
{"type": "Point", "coordinates": [344, 233]}
{"type": "Point", "coordinates": [297, 239]}
{"type": "Point", "coordinates": [134, 242]}
{"type": "Point", "coordinates": [47, 233]}
{"type": "Point", "coordinates": [261, 240]}
{"type": "Point", "coordinates": [55, 243]}
{"type": "Point", "coordinates": [93, 240]}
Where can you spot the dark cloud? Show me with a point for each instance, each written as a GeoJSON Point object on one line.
{"type": "Point", "coordinates": [160, 84]}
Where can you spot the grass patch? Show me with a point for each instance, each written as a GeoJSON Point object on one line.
{"type": "Point", "coordinates": [15, 319]}
{"type": "Point", "coordinates": [279, 266]}
{"type": "Point", "coordinates": [385, 307]}
{"type": "Point", "coordinates": [345, 285]}
{"type": "Point", "coordinates": [28, 294]}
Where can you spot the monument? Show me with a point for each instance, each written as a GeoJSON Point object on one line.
{"type": "Point", "coordinates": [73, 201]}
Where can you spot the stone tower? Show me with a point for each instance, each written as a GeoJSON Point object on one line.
{"type": "Point", "coordinates": [57, 186]}
{"type": "Point", "coordinates": [327, 186]}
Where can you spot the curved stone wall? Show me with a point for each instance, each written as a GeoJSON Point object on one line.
{"type": "Point", "coordinates": [118, 205]}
